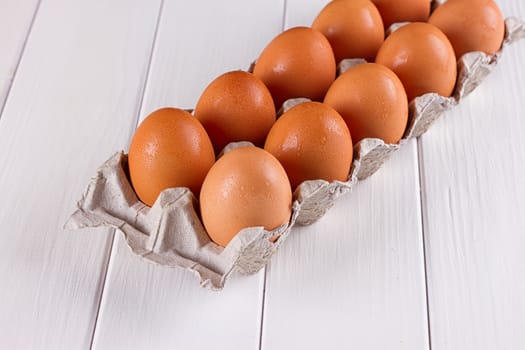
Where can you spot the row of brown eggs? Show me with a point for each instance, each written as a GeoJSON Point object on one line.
{"type": "Point", "coordinates": [252, 186]}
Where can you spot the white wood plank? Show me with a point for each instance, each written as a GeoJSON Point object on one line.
{"type": "Point", "coordinates": [153, 307]}
{"type": "Point", "coordinates": [15, 21]}
{"type": "Point", "coordinates": [473, 164]}
{"type": "Point", "coordinates": [73, 102]}
{"type": "Point", "coordinates": [198, 42]}
{"type": "Point", "coordinates": [355, 279]}
{"type": "Point", "coordinates": [145, 306]}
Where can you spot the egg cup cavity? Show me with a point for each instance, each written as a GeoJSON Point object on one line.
{"type": "Point", "coordinates": [370, 154]}
{"type": "Point", "coordinates": [347, 63]}
{"type": "Point", "coordinates": [395, 26]}
{"type": "Point", "coordinates": [253, 247]}
{"type": "Point", "coordinates": [290, 103]}
{"type": "Point", "coordinates": [233, 145]}
{"type": "Point", "coordinates": [315, 197]}
{"type": "Point", "coordinates": [170, 233]}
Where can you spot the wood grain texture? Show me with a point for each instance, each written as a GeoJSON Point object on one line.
{"type": "Point", "coordinates": [199, 41]}
{"type": "Point", "coordinates": [354, 279]}
{"type": "Point", "coordinates": [15, 21]}
{"type": "Point", "coordinates": [73, 102]}
{"type": "Point", "coordinates": [153, 307]}
{"type": "Point", "coordinates": [473, 164]}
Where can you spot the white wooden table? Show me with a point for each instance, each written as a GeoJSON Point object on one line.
{"type": "Point", "coordinates": [429, 253]}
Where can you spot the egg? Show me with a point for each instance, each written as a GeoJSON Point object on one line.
{"type": "Point", "coordinates": [299, 62]}
{"type": "Point", "coordinates": [246, 187]}
{"type": "Point", "coordinates": [422, 57]}
{"type": "Point", "coordinates": [393, 11]}
{"type": "Point", "coordinates": [312, 141]}
{"type": "Point", "coordinates": [353, 27]}
{"type": "Point", "coordinates": [372, 101]}
{"type": "Point", "coordinates": [170, 148]}
{"type": "Point", "coordinates": [236, 106]}
{"type": "Point", "coordinates": [471, 25]}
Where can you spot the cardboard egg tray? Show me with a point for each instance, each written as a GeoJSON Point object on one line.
{"type": "Point", "coordinates": [170, 233]}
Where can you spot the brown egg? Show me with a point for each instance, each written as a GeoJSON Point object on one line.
{"type": "Point", "coordinates": [297, 63]}
{"type": "Point", "coordinates": [236, 106]}
{"type": "Point", "coordinates": [246, 187]}
{"type": "Point", "coordinates": [422, 57]}
{"type": "Point", "coordinates": [372, 101]}
{"type": "Point", "coordinates": [312, 142]}
{"type": "Point", "coordinates": [393, 11]}
{"type": "Point", "coordinates": [353, 27]}
{"type": "Point", "coordinates": [471, 25]}
{"type": "Point", "coordinates": [170, 148]}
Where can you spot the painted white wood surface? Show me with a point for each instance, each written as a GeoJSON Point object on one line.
{"type": "Point", "coordinates": [356, 277]}
{"type": "Point", "coordinates": [152, 307]}
{"type": "Point", "coordinates": [72, 103]}
{"type": "Point", "coordinates": [473, 164]}
{"type": "Point", "coordinates": [16, 17]}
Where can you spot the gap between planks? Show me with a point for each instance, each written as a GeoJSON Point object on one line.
{"type": "Point", "coordinates": [19, 58]}
{"type": "Point", "coordinates": [114, 232]}
{"type": "Point", "coordinates": [421, 177]}
{"type": "Point", "coordinates": [261, 326]}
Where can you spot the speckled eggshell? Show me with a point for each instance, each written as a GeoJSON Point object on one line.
{"type": "Point", "coordinates": [170, 148]}
{"type": "Point", "coordinates": [353, 27]}
{"type": "Point", "coordinates": [299, 62]}
{"type": "Point", "coordinates": [247, 187]}
{"type": "Point", "coordinates": [312, 141]}
{"type": "Point", "coordinates": [423, 59]}
{"type": "Point", "coordinates": [393, 11]}
{"type": "Point", "coordinates": [236, 106]}
{"type": "Point", "coordinates": [372, 101]}
{"type": "Point", "coordinates": [471, 25]}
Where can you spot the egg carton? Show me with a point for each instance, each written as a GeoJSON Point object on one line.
{"type": "Point", "coordinates": [371, 153]}
{"type": "Point", "coordinates": [170, 233]}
